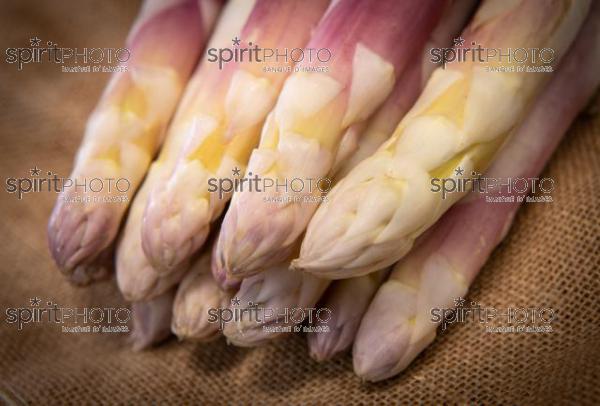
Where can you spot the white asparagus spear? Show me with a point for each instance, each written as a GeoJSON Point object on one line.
{"type": "Point", "coordinates": [125, 131]}
{"type": "Point", "coordinates": [277, 291]}
{"type": "Point", "coordinates": [347, 300]}
{"type": "Point", "coordinates": [136, 278]}
{"type": "Point", "coordinates": [465, 114]}
{"type": "Point", "coordinates": [151, 321]}
{"type": "Point", "coordinates": [398, 325]}
{"type": "Point", "coordinates": [196, 295]}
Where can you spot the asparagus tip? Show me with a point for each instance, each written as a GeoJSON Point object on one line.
{"type": "Point", "coordinates": [76, 238]}
{"type": "Point", "coordinates": [225, 280]}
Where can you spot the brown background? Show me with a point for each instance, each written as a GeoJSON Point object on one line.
{"type": "Point", "coordinates": [550, 258]}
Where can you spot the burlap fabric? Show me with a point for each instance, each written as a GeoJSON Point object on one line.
{"type": "Point", "coordinates": [550, 258]}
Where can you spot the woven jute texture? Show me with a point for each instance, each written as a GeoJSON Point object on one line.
{"type": "Point", "coordinates": [551, 258]}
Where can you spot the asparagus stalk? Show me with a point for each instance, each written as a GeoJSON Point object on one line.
{"type": "Point", "coordinates": [465, 114]}
{"type": "Point", "coordinates": [397, 326]}
{"type": "Point", "coordinates": [372, 43]}
{"type": "Point", "coordinates": [136, 278]}
{"type": "Point", "coordinates": [151, 321]}
{"type": "Point", "coordinates": [231, 105]}
{"type": "Point", "coordinates": [348, 299]}
{"type": "Point", "coordinates": [276, 291]}
{"type": "Point", "coordinates": [196, 295]}
{"type": "Point", "coordinates": [125, 131]}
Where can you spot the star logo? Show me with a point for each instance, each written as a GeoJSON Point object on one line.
{"type": "Point", "coordinates": [459, 171]}
{"type": "Point", "coordinates": [236, 41]}
{"type": "Point", "coordinates": [236, 171]}
{"type": "Point", "coordinates": [458, 42]}
{"type": "Point", "coordinates": [35, 301]}
{"type": "Point", "coordinates": [35, 42]}
{"type": "Point", "coordinates": [35, 171]}
{"type": "Point", "coordinates": [459, 301]}
{"type": "Point", "coordinates": [235, 301]}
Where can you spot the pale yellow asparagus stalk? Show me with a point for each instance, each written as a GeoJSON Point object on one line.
{"type": "Point", "coordinates": [463, 117]}
{"type": "Point", "coordinates": [137, 278]}
{"type": "Point", "coordinates": [231, 104]}
{"type": "Point", "coordinates": [125, 131]}
{"type": "Point", "coordinates": [372, 42]}
{"type": "Point", "coordinates": [438, 272]}
{"type": "Point", "coordinates": [151, 321]}
{"type": "Point", "coordinates": [196, 295]}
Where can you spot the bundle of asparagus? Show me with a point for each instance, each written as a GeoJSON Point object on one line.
{"type": "Point", "coordinates": [125, 131]}
{"type": "Point", "coordinates": [347, 122]}
{"type": "Point", "coordinates": [397, 325]}
{"type": "Point", "coordinates": [138, 277]}
{"type": "Point", "coordinates": [348, 299]}
{"type": "Point", "coordinates": [302, 291]}
{"type": "Point", "coordinates": [230, 105]}
{"type": "Point", "coordinates": [466, 112]}
{"type": "Point", "coordinates": [372, 44]}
